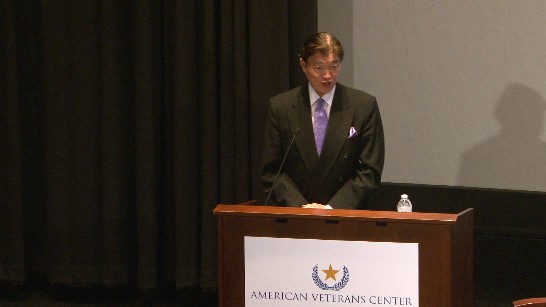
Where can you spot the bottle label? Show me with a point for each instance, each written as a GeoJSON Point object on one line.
{"type": "Point", "coordinates": [404, 209]}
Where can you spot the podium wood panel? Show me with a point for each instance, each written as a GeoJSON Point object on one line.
{"type": "Point", "coordinates": [445, 244]}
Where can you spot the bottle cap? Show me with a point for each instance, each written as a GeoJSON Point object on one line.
{"type": "Point", "coordinates": [404, 196]}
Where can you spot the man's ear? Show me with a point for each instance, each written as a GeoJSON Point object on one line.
{"type": "Point", "coordinates": [302, 63]}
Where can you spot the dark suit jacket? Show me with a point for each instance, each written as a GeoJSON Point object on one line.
{"type": "Point", "coordinates": [348, 170]}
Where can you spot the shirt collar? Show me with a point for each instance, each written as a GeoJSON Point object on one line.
{"type": "Point", "coordinates": [328, 97]}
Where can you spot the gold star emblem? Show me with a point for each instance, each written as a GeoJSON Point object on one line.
{"type": "Point", "coordinates": [330, 273]}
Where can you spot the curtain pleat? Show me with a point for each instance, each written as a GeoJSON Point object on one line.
{"type": "Point", "coordinates": [182, 145]}
{"type": "Point", "coordinates": [12, 228]}
{"type": "Point", "coordinates": [124, 123]}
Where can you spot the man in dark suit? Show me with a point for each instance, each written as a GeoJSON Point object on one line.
{"type": "Point", "coordinates": [330, 135]}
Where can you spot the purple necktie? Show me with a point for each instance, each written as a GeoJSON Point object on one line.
{"type": "Point", "coordinates": [320, 123]}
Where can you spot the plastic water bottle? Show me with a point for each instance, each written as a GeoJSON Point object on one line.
{"type": "Point", "coordinates": [404, 205]}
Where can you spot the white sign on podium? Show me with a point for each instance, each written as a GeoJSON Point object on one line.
{"type": "Point", "coordinates": [307, 272]}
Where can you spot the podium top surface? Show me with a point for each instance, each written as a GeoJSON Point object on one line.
{"type": "Point", "coordinates": [337, 214]}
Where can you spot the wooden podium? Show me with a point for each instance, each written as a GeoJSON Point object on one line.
{"type": "Point", "coordinates": [445, 244]}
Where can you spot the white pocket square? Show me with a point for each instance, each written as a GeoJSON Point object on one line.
{"type": "Point", "coordinates": [352, 132]}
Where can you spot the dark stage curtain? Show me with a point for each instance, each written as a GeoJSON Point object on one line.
{"type": "Point", "coordinates": [124, 123]}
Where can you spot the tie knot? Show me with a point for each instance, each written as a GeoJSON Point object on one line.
{"type": "Point", "coordinates": [320, 103]}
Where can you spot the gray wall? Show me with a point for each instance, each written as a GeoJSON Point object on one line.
{"type": "Point", "coordinates": [336, 17]}
{"type": "Point", "coordinates": [461, 86]}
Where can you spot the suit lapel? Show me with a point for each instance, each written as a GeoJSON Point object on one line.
{"type": "Point", "coordinates": [301, 119]}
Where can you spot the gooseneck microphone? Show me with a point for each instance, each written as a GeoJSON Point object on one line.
{"type": "Point", "coordinates": [280, 167]}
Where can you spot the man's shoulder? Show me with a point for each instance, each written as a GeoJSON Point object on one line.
{"type": "Point", "coordinates": [350, 92]}
{"type": "Point", "coordinates": [288, 95]}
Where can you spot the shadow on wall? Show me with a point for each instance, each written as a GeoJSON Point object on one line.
{"type": "Point", "coordinates": [515, 158]}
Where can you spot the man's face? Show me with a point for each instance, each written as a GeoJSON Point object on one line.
{"type": "Point", "coordinates": [322, 71]}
